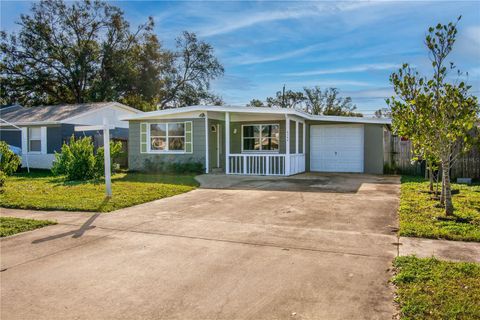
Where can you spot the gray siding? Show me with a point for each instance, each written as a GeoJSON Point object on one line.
{"type": "Point", "coordinates": [136, 159]}
{"type": "Point", "coordinates": [293, 135]}
{"type": "Point", "coordinates": [373, 148]}
{"type": "Point", "coordinates": [54, 139]}
{"type": "Point", "coordinates": [11, 137]}
{"type": "Point", "coordinates": [236, 139]}
{"type": "Point", "coordinates": [307, 146]}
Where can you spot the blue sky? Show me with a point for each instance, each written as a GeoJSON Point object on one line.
{"type": "Point", "coordinates": [352, 46]}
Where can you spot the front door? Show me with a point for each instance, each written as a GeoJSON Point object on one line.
{"type": "Point", "coordinates": [215, 145]}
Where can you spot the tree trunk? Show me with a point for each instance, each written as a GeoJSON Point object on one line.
{"type": "Point", "coordinates": [430, 173]}
{"type": "Point", "coordinates": [447, 188]}
{"type": "Point", "coordinates": [442, 195]}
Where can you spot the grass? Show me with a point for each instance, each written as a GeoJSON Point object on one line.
{"type": "Point", "coordinates": [420, 213]}
{"type": "Point", "coordinates": [431, 289]}
{"type": "Point", "coordinates": [10, 226]}
{"type": "Point", "coordinates": [42, 191]}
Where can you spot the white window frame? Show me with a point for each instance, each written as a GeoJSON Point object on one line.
{"type": "Point", "coordinates": [149, 140]}
{"type": "Point", "coordinates": [40, 138]}
{"type": "Point", "coordinates": [260, 137]}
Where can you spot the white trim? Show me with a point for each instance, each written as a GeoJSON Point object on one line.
{"type": "Point", "coordinates": [262, 110]}
{"type": "Point", "coordinates": [115, 105]}
{"type": "Point", "coordinates": [218, 145]}
{"type": "Point", "coordinates": [287, 145]}
{"type": "Point", "coordinates": [24, 140]}
{"type": "Point", "coordinates": [297, 133]}
{"type": "Point", "coordinates": [35, 123]}
{"type": "Point", "coordinates": [207, 163]}
{"type": "Point", "coordinates": [149, 143]}
{"type": "Point", "coordinates": [43, 140]}
{"type": "Point", "coordinates": [90, 128]}
{"type": "Point", "coordinates": [260, 151]}
{"type": "Point", "coordinates": [227, 142]}
{"type": "Point", "coordinates": [304, 126]}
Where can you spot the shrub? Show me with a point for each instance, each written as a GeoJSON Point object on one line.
{"type": "Point", "coordinates": [9, 161]}
{"type": "Point", "coordinates": [174, 167]}
{"type": "Point", "coordinates": [3, 178]}
{"type": "Point", "coordinates": [77, 160]}
{"type": "Point", "coordinates": [115, 152]}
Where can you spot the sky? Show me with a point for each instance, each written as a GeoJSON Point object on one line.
{"type": "Point", "coordinates": [263, 45]}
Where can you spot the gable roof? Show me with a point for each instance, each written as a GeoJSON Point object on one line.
{"type": "Point", "coordinates": [256, 110]}
{"type": "Point", "coordinates": [54, 114]}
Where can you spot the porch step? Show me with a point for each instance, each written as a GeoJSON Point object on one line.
{"type": "Point", "coordinates": [217, 171]}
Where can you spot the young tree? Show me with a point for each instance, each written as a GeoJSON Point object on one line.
{"type": "Point", "coordinates": [438, 115]}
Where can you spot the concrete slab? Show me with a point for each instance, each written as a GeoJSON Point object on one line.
{"type": "Point", "coordinates": [255, 250]}
{"type": "Point", "coordinates": [441, 249]}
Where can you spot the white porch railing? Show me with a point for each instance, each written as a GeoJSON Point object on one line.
{"type": "Point", "coordinates": [265, 164]}
{"type": "Point", "coordinates": [297, 163]}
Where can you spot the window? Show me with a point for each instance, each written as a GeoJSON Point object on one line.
{"type": "Point", "coordinates": [261, 137]}
{"type": "Point", "coordinates": [34, 139]}
{"type": "Point", "coordinates": [166, 137]}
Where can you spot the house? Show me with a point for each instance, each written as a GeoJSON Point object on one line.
{"type": "Point", "coordinates": [44, 129]}
{"type": "Point", "coordinates": [256, 141]}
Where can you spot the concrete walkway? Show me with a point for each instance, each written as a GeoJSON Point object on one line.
{"type": "Point", "coordinates": [441, 249]}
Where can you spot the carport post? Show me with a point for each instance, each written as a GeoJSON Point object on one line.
{"type": "Point", "coordinates": [106, 158]}
{"type": "Point", "coordinates": [227, 142]}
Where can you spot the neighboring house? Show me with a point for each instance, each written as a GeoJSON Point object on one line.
{"type": "Point", "coordinates": [256, 141]}
{"type": "Point", "coordinates": [44, 129]}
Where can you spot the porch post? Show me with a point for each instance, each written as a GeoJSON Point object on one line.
{"type": "Point", "coordinates": [207, 165]}
{"type": "Point", "coordinates": [304, 134]}
{"type": "Point", "coordinates": [296, 136]}
{"type": "Point", "coordinates": [227, 142]}
{"type": "Point", "coordinates": [287, 145]}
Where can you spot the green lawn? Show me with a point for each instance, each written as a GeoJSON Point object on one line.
{"type": "Point", "coordinates": [419, 213]}
{"type": "Point", "coordinates": [434, 289]}
{"type": "Point", "coordinates": [40, 190]}
{"type": "Point", "coordinates": [10, 226]}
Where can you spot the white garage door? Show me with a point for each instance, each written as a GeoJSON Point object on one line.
{"type": "Point", "coordinates": [336, 148]}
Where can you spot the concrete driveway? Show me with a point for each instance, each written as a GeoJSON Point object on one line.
{"type": "Point", "coordinates": [306, 247]}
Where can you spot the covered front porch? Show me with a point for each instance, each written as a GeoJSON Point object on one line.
{"type": "Point", "coordinates": [255, 143]}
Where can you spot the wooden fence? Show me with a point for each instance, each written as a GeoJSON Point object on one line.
{"type": "Point", "coordinates": [398, 157]}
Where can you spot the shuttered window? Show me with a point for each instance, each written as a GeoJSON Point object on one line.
{"type": "Point", "coordinates": [166, 137]}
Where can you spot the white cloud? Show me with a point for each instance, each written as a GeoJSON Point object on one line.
{"type": "Point", "coordinates": [228, 23]}
{"type": "Point", "coordinates": [359, 68]}
{"type": "Point", "coordinates": [250, 20]}
{"type": "Point", "coordinates": [251, 59]}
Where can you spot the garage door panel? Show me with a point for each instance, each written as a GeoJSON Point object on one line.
{"type": "Point", "coordinates": [336, 148]}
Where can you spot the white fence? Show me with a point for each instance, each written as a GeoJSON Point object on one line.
{"type": "Point", "coordinates": [266, 164]}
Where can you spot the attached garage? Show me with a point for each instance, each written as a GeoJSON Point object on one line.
{"type": "Point", "coordinates": [337, 147]}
